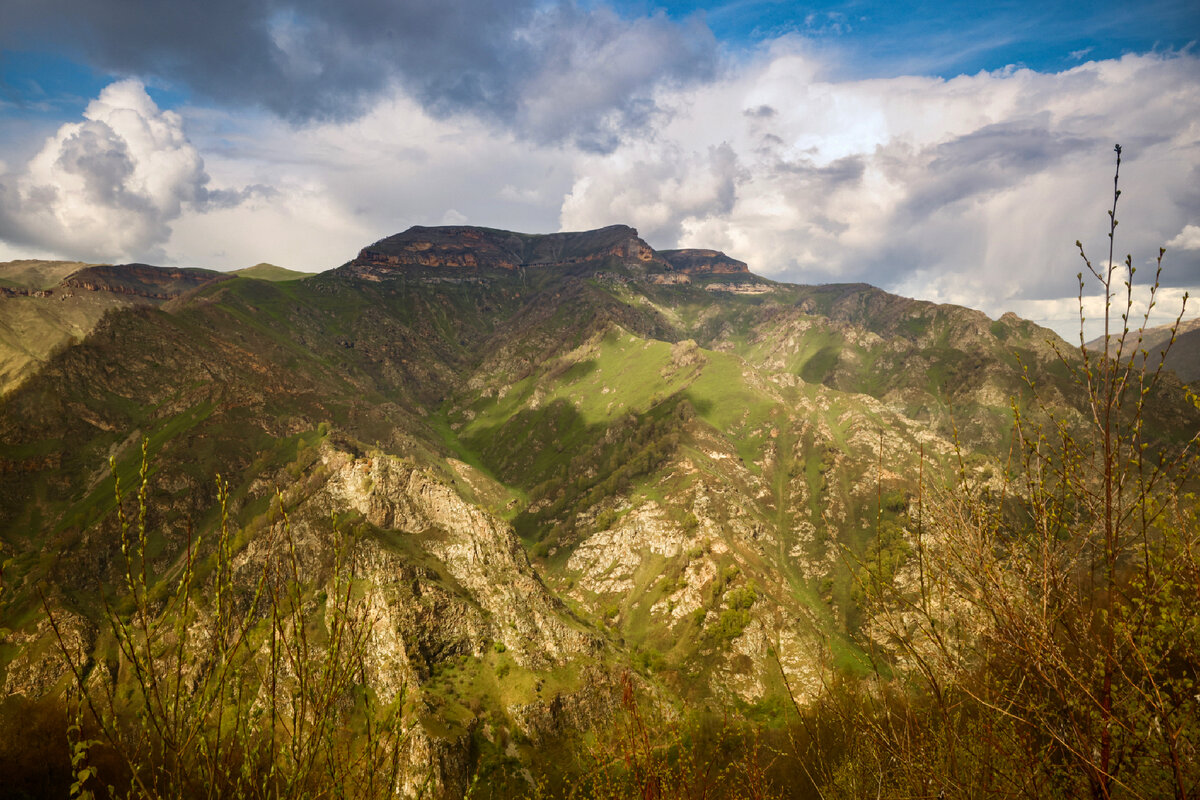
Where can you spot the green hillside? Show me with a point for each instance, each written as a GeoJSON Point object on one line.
{"type": "Point", "coordinates": [35, 274]}
{"type": "Point", "coordinates": [556, 481]}
{"type": "Point", "coordinates": [270, 272]}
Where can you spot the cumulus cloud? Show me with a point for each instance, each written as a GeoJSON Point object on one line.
{"type": "Point", "coordinates": [660, 188]}
{"type": "Point", "coordinates": [970, 190]}
{"type": "Point", "coordinates": [342, 184]}
{"type": "Point", "coordinates": [557, 71]}
{"type": "Point", "coordinates": [109, 186]}
{"type": "Point", "coordinates": [1188, 238]}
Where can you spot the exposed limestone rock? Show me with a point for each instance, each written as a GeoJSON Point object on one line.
{"type": "Point", "coordinates": [704, 262]}
{"type": "Point", "coordinates": [689, 598]}
{"type": "Point", "coordinates": [40, 663]}
{"type": "Point", "coordinates": [437, 767]}
{"type": "Point", "coordinates": [481, 553]}
{"type": "Point", "coordinates": [606, 560]}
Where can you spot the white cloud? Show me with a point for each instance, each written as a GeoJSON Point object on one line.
{"type": "Point", "coordinates": [1188, 239]}
{"type": "Point", "coordinates": [108, 187]}
{"type": "Point", "coordinates": [662, 188]}
{"type": "Point", "coordinates": [339, 186]}
{"type": "Point", "coordinates": [971, 190]}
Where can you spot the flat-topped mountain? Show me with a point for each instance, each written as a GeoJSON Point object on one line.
{"type": "Point", "coordinates": [140, 280]}
{"type": "Point", "coordinates": [467, 247]}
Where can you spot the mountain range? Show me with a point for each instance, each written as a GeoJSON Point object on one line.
{"type": "Point", "coordinates": [562, 458]}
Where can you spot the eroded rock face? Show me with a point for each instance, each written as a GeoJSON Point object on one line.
{"type": "Point", "coordinates": [40, 663]}
{"type": "Point", "coordinates": [704, 262]}
{"type": "Point", "coordinates": [420, 620]}
{"type": "Point", "coordinates": [482, 553]}
{"type": "Point", "coordinates": [140, 280]}
{"type": "Point", "coordinates": [464, 247]}
{"type": "Point", "coordinates": [441, 582]}
{"type": "Point", "coordinates": [607, 559]}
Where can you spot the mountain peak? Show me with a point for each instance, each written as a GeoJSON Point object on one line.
{"type": "Point", "coordinates": [469, 247]}
{"type": "Point", "coordinates": [460, 247]}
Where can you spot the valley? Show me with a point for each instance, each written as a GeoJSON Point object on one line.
{"type": "Point", "coordinates": [561, 469]}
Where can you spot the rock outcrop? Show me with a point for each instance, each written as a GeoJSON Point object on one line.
{"type": "Point", "coordinates": [482, 554]}
{"type": "Point", "coordinates": [704, 262]}
{"type": "Point", "coordinates": [466, 247]}
{"type": "Point", "coordinates": [140, 280]}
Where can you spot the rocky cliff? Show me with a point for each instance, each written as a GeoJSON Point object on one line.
{"type": "Point", "coordinates": [140, 280]}
{"type": "Point", "coordinates": [472, 248]}
{"type": "Point", "coordinates": [704, 262]}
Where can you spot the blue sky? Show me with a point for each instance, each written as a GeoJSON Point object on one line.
{"type": "Point", "coordinates": [948, 39]}
{"type": "Point", "coordinates": [947, 151]}
{"type": "Point", "coordinates": [46, 76]}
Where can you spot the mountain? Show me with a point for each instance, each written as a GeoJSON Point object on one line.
{"type": "Point", "coordinates": [1182, 357]}
{"type": "Point", "coordinates": [48, 305]}
{"type": "Point", "coordinates": [559, 459]}
{"type": "Point", "coordinates": [29, 275]}
{"type": "Point", "coordinates": [458, 247]}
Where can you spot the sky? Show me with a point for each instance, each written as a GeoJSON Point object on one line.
{"type": "Point", "coordinates": [946, 151]}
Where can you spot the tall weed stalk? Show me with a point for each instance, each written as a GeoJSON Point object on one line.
{"type": "Point", "coordinates": [233, 680]}
{"type": "Point", "coordinates": [1046, 643]}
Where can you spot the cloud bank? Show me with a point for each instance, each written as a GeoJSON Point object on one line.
{"type": "Point", "coordinates": [540, 117]}
{"type": "Point", "coordinates": [971, 190]}
{"type": "Point", "coordinates": [553, 71]}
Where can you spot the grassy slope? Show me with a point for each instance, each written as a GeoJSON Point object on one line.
{"type": "Point", "coordinates": [270, 272]}
{"type": "Point", "coordinates": [33, 329]}
{"type": "Point", "coordinates": [35, 274]}
{"type": "Point", "coordinates": [571, 403]}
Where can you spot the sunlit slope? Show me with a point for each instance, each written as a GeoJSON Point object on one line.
{"type": "Point", "coordinates": [46, 306]}
{"type": "Point", "coordinates": [271, 272]}
{"type": "Point", "coordinates": [556, 472]}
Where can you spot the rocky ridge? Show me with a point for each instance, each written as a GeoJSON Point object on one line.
{"type": "Point", "coordinates": [1182, 351]}
{"type": "Point", "coordinates": [704, 262]}
{"type": "Point", "coordinates": [473, 248]}
{"type": "Point", "coordinates": [140, 280]}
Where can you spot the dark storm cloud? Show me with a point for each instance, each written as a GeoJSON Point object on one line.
{"type": "Point", "coordinates": [306, 59]}
{"type": "Point", "coordinates": [992, 158]}
{"type": "Point", "coordinates": [761, 112]}
{"type": "Point", "coordinates": [1181, 264]}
